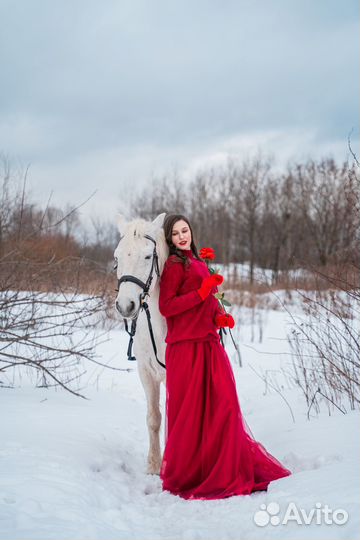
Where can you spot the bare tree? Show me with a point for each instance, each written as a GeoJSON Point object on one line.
{"type": "Point", "coordinates": [324, 205]}
{"type": "Point", "coordinates": [249, 213]}
{"type": "Point", "coordinates": [326, 345]}
{"type": "Point", "coordinates": [252, 179]}
{"type": "Point", "coordinates": [279, 221]}
{"type": "Point", "coordinates": [51, 299]}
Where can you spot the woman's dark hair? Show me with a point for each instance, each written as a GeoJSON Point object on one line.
{"type": "Point", "coordinates": [169, 221]}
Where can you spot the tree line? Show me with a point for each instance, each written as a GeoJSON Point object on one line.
{"type": "Point", "coordinates": [249, 212]}
{"type": "Point", "coordinates": [305, 216]}
{"type": "Point", "coordinates": [32, 233]}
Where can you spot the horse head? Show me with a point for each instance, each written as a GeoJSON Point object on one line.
{"type": "Point", "coordinates": [139, 259]}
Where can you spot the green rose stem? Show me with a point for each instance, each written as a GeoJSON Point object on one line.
{"type": "Point", "coordinates": [220, 297]}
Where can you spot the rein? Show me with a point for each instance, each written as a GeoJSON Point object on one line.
{"type": "Point", "coordinates": [143, 303]}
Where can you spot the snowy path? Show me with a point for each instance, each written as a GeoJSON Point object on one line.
{"type": "Point", "coordinates": [74, 469]}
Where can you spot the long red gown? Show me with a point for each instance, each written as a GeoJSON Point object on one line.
{"type": "Point", "coordinates": [210, 452]}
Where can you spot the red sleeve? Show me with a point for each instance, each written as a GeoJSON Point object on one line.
{"type": "Point", "coordinates": [171, 303]}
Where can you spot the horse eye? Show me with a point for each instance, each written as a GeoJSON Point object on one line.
{"type": "Point", "coordinates": [148, 257]}
{"type": "Point", "coordinates": [115, 264]}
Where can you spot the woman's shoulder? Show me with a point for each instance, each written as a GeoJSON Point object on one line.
{"type": "Point", "coordinates": [173, 260]}
{"type": "Point", "coordinates": [173, 270]}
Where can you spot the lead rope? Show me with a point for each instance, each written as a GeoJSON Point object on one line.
{"type": "Point", "coordinates": [131, 334]}
{"type": "Point", "coordinates": [147, 311]}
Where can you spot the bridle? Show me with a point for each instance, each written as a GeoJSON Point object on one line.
{"type": "Point", "coordinates": [144, 305]}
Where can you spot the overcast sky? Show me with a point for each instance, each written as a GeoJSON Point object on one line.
{"type": "Point", "coordinates": [106, 94]}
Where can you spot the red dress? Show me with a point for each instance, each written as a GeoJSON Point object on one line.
{"type": "Point", "coordinates": [209, 451]}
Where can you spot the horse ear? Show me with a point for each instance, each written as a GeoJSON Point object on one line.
{"type": "Point", "coordinates": [159, 220]}
{"type": "Point", "coordinates": [121, 222]}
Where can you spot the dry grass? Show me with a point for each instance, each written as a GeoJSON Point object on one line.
{"type": "Point", "coordinates": [339, 277]}
{"type": "Point", "coordinates": [73, 273]}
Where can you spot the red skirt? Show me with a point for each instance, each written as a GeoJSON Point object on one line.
{"type": "Point", "coordinates": [209, 451]}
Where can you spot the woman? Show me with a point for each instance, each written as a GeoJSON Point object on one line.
{"type": "Point", "coordinates": [209, 452]}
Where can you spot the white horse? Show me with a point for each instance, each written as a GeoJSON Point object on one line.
{"type": "Point", "coordinates": [135, 256]}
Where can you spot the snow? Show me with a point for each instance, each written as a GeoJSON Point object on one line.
{"type": "Point", "coordinates": [73, 468]}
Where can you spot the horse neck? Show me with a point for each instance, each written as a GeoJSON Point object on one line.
{"type": "Point", "coordinates": [154, 295]}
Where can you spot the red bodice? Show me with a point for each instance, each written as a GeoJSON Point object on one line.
{"type": "Point", "coordinates": [188, 316]}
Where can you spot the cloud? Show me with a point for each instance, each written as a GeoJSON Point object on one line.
{"type": "Point", "coordinates": [107, 93]}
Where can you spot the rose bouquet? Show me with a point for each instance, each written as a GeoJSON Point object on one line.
{"type": "Point", "coordinates": [225, 319]}
{"type": "Point", "coordinates": [222, 319]}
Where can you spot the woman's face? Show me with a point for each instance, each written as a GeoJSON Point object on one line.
{"type": "Point", "coordinates": [181, 235]}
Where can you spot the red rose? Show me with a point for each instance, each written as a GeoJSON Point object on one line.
{"type": "Point", "coordinates": [217, 278]}
{"type": "Point", "coordinates": [224, 319]}
{"type": "Point", "coordinates": [207, 253]}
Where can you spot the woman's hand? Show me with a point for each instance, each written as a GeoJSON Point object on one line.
{"type": "Point", "coordinates": [208, 284]}
{"type": "Point", "coordinates": [224, 319]}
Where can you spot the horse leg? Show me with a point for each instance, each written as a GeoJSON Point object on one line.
{"type": "Point", "coordinates": [153, 419]}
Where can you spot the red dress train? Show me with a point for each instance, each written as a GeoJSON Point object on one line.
{"type": "Point", "coordinates": [209, 451]}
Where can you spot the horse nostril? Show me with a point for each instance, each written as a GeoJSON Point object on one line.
{"type": "Point", "coordinates": [130, 308]}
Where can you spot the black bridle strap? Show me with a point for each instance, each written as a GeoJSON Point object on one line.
{"type": "Point", "coordinates": [147, 311]}
{"type": "Point", "coordinates": [131, 334]}
{"type": "Point", "coordinates": [144, 305]}
{"type": "Point", "coordinates": [134, 279]}
{"type": "Point", "coordinates": [155, 264]}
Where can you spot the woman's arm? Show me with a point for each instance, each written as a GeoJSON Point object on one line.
{"type": "Point", "coordinates": [170, 303]}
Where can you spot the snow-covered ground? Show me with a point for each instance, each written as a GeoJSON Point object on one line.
{"type": "Point", "coordinates": [75, 469]}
